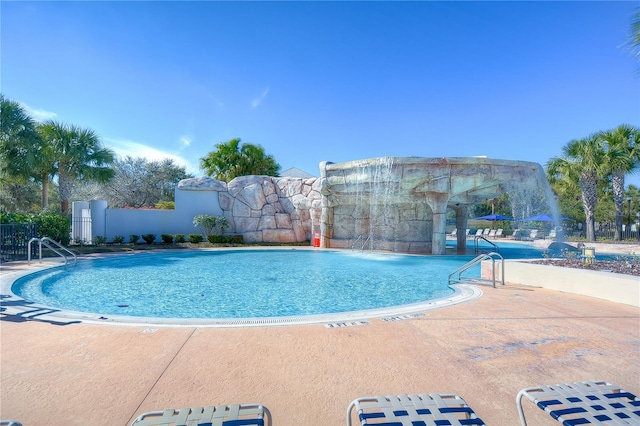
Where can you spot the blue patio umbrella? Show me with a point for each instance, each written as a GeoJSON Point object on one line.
{"type": "Point", "coordinates": [492, 217]}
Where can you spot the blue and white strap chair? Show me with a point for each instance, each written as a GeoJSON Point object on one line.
{"type": "Point", "coordinates": [219, 415]}
{"type": "Point", "coordinates": [413, 410]}
{"type": "Point", "coordinates": [579, 403]}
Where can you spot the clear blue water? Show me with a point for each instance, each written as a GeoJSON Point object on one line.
{"type": "Point", "coordinates": [241, 283]}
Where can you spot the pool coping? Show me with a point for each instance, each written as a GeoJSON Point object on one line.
{"type": "Point", "coordinates": [13, 304]}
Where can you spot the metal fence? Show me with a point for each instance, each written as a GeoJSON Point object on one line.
{"type": "Point", "coordinates": [627, 234]}
{"type": "Point", "coordinates": [14, 240]}
{"type": "Point", "coordinates": [81, 230]}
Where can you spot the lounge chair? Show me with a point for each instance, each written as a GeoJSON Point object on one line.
{"type": "Point", "coordinates": [219, 415]}
{"type": "Point", "coordinates": [486, 231]}
{"type": "Point", "coordinates": [499, 233]}
{"type": "Point", "coordinates": [454, 233]}
{"type": "Point", "coordinates": [492, 233]}
{"type": "Point", "coordinates": [479, 233]}
{"type": "Point", "coordinates": [424, 409]}
{"type": "Point", "coordinates": [533, 234]}
{"type": "Point", "coordinates": [579, 403]}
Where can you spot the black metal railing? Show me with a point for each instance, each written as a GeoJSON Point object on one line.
{"type": "Point", "coordinates": [81, 230]}
{"type": "Point", "coordinates": [14, 240]}
{"type": "Point", "coordinates": [609, 234]}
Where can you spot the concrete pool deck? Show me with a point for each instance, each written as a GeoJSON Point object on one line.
{"type": "Point", "coordinates": [485, 350]}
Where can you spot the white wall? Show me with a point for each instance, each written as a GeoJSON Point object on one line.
{"type": "Point", "coordinates": [125, 222]}
{"type": "Point", "coordinates": [602, 285]}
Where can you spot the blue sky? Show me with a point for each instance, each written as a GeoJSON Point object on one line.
{"type": "Point", "coordinates": [336, 81]}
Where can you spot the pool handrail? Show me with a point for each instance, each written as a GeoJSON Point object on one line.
{"type": "Point", "coordinates": [45, 241]}
{"type": "Point", "coordinates": [493, 256]}
{"type": "Point", "coordinates": [480, 237]}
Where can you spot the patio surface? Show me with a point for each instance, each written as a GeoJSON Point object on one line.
{"type": "Point", "coordinates": [485, 350]}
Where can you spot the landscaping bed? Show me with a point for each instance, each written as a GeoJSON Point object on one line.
{"type": "Point", "coordinates": [624, 265]}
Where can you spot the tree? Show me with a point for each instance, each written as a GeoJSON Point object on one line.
{"type": "Point", "coordinates": [209, 224]}
{"type": "Point", "coordinates": [634, 39]}
{"type": "Point", "coordinates": [231, 160]}
{"type": "Point", "coordinates": [622, 158]}
{"type": "Point", "coordinates": [19, 195]}
{"type": "Point", "coordinates": [78, 154]}
{"type": "Point", "coordinates": [567, 192]}
{"type": "Point", "coordinates": [582, 161]}
{"type": "Point", "coordinates": [138, 182]}
{"type": "Point", "coordinates": [23, 155]}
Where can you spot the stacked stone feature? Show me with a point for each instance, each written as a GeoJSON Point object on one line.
{"type": "Point", "coordinates": [267, 209]}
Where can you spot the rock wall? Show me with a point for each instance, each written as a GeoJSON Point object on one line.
{"type": "Point", "coordinates": [400, 203]}
{"type": "Point", "coordinates": [399, 227]}
{"type": "Point", "coordinates": [265, 208]}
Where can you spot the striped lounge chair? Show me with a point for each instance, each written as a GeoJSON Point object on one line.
{"type": "Point", "coordinates": [410, 410]}
{"type": "Point", "coordinates": [219, 415]}
{"type": "Point", "coordinates": [597, 402]}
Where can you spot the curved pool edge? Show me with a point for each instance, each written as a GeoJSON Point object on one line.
{"type": "Point", "coordinates": [20, 310]}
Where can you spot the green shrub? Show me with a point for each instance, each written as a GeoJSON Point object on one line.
{"type": "Point", "coordinates": [15, 217]}
{"type": "Point", "coordinates": [206, 223]}
{"type": "Point", "coordinates": [238, 239]}
{"type": "Point", "coordinates": [54, 225]}
{"type": "Point", "coordinates": [195, 238]}
{"type": "Point", "coordinates": [50, 223]}
{"type": "Point", "coordinates": [133, 238]}
{"type": "Point", "coordinates": [219, 239]}
{"type": "Point", "coordinates": [210, 225]}
{"type": "Point", "coordinates": [179, 238]}
{"type": "Point", "coordinates": [167, 238]}
{"type": "Point", "coordinates": [99, 240]}
{"type": "Point", "coordinates": [118, 239]}
{"type": "Point", "coordinates": [149, 238]}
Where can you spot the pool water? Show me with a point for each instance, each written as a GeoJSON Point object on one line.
{"type": "Point", "coordinates": [241, 283]}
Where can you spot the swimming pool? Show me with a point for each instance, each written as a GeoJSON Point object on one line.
{"type": "Point", "coordinates": [228, 285]}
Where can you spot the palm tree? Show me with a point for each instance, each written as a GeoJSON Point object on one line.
{"type": "Point", "coordinates": [634, 39]}
{"type": "Point", "coordinates": [231, 160]}
{"type": "Point", "coordinates": [622, 158]}
{"type": "Point", "coordinates": [256, 161]}
{"type": "Point", "coordinates": [582, 161]}
{"type": "Point", "coordinates": [78, 154]}
{"type": "Point", "coordinates": [21, 150]}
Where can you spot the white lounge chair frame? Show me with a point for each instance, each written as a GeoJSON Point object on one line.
{"type": "Point", "coordinates": [595, 402]}
{"type": "Point", "coordinates": [431, 409]}
{"type": "Point", "coordinates": [248, 414]}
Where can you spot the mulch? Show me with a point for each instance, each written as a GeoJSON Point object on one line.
{"type": "Point", "coordinates": [629, 266]}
